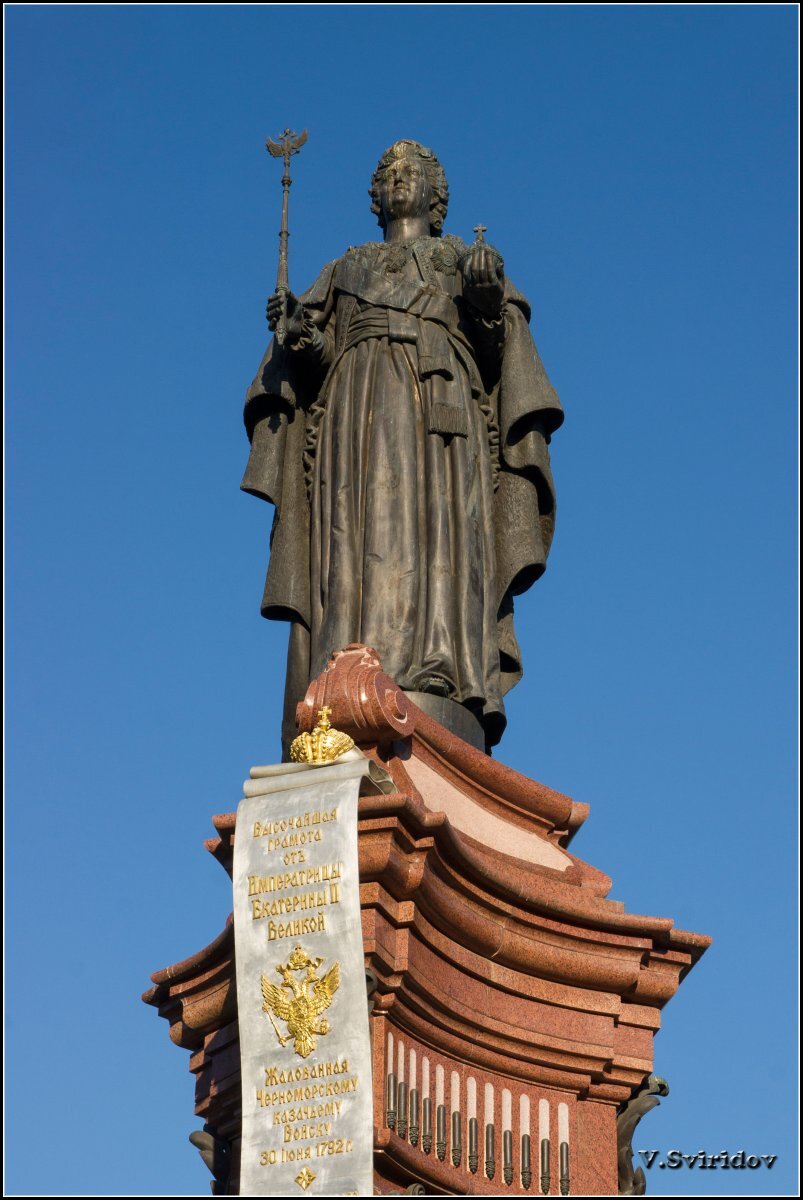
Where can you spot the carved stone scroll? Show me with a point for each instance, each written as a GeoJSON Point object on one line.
{"type": "Point", "coordinates": [301, 987]}
{"type": "Point", "coordinates": [365, 702]}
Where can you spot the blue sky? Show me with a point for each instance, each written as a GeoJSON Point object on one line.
{"type": "Point", "coordinates": [637, 167]}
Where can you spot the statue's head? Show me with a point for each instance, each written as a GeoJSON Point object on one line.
{"type": "Point", "coordinates": [435, 189]}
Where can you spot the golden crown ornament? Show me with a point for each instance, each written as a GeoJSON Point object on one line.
{"type": "Point", "coordinates": [323, 745]}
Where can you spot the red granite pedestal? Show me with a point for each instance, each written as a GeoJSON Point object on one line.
{"type": "Point", "coordinates": [503, 973]}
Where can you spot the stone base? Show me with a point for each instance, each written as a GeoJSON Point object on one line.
{"type": "Point", "coordinates": [454, 717]}
{"type": "Point", "coordinates": [510, 993]}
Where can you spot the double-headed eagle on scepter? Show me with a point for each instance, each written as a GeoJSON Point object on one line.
{"type": "Point", "coordinates": [300, 1009]}
{"type": "Point", "coordinates": [288, 145]}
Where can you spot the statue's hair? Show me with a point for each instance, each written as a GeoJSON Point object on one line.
{"type": "Point", "coordinates": [436, 179]}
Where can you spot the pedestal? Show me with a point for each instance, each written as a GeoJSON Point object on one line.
{"type": "Point", "coordinates": [513, 1006]}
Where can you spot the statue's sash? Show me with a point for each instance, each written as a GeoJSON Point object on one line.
{"type": "Point", "coordinates": [359, 280]}
{"type": "Point", "coordinates": [415, 312]}
{"type": "Point", "coordinates": [416, 299]}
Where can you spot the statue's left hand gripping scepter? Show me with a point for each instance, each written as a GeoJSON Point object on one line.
{"type": "Point", "coordinates": [289, 144]}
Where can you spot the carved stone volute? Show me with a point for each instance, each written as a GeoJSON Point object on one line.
{"type": "Point", "coordinates": [365, 703]}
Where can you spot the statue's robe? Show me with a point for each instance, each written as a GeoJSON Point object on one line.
{"type": "Point", "coordinates": [403, 442]}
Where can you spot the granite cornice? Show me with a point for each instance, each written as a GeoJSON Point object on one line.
{"type": "Point", "coordinates": [691, 946]}
{"type": "Point", "coordinates": [466, 1014]}
{"type": "Point", "coordinates": [197, 995]}
{"type": "Point", "coordinates": [492, 888]}
{"type": "Point", "coordinates": [378, 812]}
{"type": "Point", "coordinates": [517, 1054]}
{"type": "Point", "coordinates": [188, 969]}
{"type": "Point", "coordinates": [639, 1016]}
{"type": "Point", "coordinates": [476, 1045]}
{"type": "Point", "coordinates": [535, 921]}
{"type": "Point", "coordinates": [502, 937]}
{"type": "Point", "coordinates": [411, 831]}
{"type": "Point", "coordinates": [513, 797]}
{"type": "Point", "coordinates": [375, 897]}
{"type": "Point", "coordinates": [451, 998]}
{"type": "Point", "coordinates": [549, 893]}
{"type": "Point", "coordinates": [559, 995]}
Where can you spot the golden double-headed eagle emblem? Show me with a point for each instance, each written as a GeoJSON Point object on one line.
{"type": "Point", "coordinates": [300, 1001]}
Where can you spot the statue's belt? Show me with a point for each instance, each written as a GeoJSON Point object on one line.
{"type": "Point", "coordinates": [434, 356]}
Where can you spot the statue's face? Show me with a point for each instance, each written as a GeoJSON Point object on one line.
{"type": "Point", "coordinates": [404, 190]}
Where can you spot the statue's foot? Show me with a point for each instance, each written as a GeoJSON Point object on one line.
{"type": "Point", "coordinates": [435, 685]}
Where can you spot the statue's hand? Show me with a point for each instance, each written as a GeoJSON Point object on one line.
{"type": "Point", "coordinates": [484, 279]}
{"type": "Point", "coordinates": [295, 314]}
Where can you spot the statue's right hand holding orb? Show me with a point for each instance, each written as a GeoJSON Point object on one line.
{"type": "Point", "coordinates": [295, 314]}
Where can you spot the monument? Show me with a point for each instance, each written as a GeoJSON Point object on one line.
{"type": "Point", "coordinates": [421, 988]}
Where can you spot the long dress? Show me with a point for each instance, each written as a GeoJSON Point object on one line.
{"type": "Point", "coordinates": [402, 553]}
{"type": "Point", "coordinates": [397, 382]}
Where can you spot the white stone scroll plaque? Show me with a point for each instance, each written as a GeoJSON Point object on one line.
{"type": "Point", "coordinates": [303, 1016]}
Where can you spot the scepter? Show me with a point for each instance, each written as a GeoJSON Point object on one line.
{"type": "Point", "coordinates": [288, 144]}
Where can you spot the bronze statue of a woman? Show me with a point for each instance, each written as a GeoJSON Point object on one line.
{"type": "Point", "coordinates": [401, 431]}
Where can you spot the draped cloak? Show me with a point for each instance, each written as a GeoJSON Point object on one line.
{"type": "Point", "coordinates": [403, 442]}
